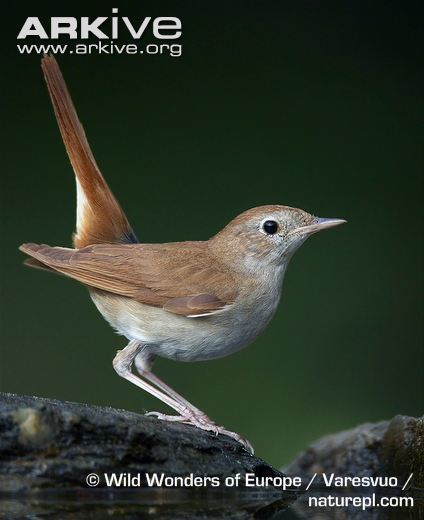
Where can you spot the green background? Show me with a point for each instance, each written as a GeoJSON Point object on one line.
{"type": "Point", "coordinates": [311, 104]}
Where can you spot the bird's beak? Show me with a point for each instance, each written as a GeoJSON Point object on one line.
{"type": "Point", "coordinates": [318, 225]}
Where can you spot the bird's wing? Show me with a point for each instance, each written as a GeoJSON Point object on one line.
{"type": "Point", "coordinates": [183, 278]}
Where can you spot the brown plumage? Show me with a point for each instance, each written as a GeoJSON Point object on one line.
{"type": "Point", "coordinates": [185, 301]}
{"type": "Point", "coordinates": [99, 216]}
{"type": "Point", "coordinates": [183, 278]}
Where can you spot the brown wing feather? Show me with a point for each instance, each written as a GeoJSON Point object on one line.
{"type": "Point", "coordinates": [199, 305]}
{"type": "Point", "coordinates": [183, 278]}
{"type": "Point", "coordinates": [100, 218]}
{"type": "Point", "coordinates": [32, 262]}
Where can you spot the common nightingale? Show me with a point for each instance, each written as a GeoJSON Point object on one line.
{"type": "Point", "coordinates": [186, 301]}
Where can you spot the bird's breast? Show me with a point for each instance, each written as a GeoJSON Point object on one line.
{"type": "Point", "coordinates": [190, 339]}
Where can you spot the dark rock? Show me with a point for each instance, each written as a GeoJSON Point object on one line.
{"type": "Point", "coordinates": [47, 444]}
{"type": "Point", "coordinates": [388, 448]}
{"type": "Point", "coordinates": [402, 448]}
{"type": "Point", "coordinates": [48, 447]}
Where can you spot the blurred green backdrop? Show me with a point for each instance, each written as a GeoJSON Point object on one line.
{"type": "Point", "coordinates": [310, 104]}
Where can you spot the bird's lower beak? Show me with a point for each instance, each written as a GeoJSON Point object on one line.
{"type": "Point", "coordinates": [318, 225]}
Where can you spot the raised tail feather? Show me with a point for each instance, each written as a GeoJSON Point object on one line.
{"type": "Point", "coordinates": [100, 218]}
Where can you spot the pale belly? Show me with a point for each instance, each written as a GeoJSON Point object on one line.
{"type": "Point", "coordinates": [186, 339]}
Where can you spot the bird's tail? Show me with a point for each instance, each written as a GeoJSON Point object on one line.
{"type": "Point", "coordinates": [100, 218]}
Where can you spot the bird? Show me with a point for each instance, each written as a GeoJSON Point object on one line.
{"type": "Point", "coordinates": [185, 301]}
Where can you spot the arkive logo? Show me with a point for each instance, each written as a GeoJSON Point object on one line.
{"type": "Point", "coordinates": [102, 27]}
{"type": "Point", "coordinates": [101, 35]}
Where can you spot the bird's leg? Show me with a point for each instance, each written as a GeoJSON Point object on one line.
{"type": "Point", "coordinates": [198, 419]}
{"type": "Point", "coordinates": [143, 363]}
{"type": "Point", "coordinates": [123, 362]}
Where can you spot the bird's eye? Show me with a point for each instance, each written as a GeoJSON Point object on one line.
{"type": "Point", "coordinates": [270, 227]}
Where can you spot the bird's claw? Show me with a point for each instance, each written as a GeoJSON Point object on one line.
{"type": "Point", "coordinates": [204, 423]}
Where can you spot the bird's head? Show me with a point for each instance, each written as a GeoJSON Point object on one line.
{"type": "Point", "coordinates": [268, 234]}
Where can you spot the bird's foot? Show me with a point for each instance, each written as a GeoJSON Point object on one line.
{"type": "Point", "coordinates": [169, 418]}
{"type": "Point", "coordinates": [187, 418]}
{"type": "Point", "coordinates": [204, 423]}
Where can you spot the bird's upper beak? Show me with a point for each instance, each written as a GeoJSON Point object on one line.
{"type": "Point", "coordinates": [318, 225]}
